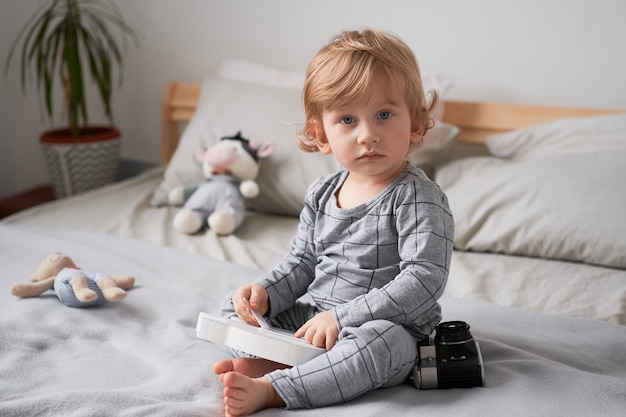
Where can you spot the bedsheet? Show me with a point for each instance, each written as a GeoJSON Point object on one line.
{"type": "Point", "coordinates": [123, 209]}
{"type": "Point", "coordinates": [548, 286]}
{"type": "Point", "coordinates": [541, 285]}
{"type": "Point", "coordinates": [141, 357]}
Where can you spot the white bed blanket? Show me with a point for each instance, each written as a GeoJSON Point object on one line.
{"type": "Point", "coordinates": [140, 357]}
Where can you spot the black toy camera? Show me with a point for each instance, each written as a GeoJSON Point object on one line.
{"type": "Point", "coordinates": [450, 359]}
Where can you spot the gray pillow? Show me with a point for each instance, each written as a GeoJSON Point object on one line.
{"type": "Point", "coordinates": [570, 207]}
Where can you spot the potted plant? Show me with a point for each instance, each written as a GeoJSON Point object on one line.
{"type": "Point", "coordinates": [67, 39]}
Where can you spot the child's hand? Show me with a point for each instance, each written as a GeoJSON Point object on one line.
{"type": "Point", "coordinates": [320, 331]}
{"type": "Point", "coordinates": [248, 298]}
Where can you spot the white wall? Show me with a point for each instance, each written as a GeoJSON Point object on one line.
{"type": "Point", "coordinates": [557, 52]}
{"type": "Point", "coordinates": [6, 136]}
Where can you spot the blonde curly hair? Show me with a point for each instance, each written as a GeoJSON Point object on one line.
{"type": "Point", "coordinates": [342, 71]}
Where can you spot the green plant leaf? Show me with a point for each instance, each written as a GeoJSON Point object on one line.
{"type": "Point", "coordinates": [75, 75]}
{"type": "Point", "coordinates": [53, 44]}
{"type": "Point", "coordinates": [56, 38]}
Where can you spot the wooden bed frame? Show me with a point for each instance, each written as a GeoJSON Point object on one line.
{"type": "Point", "coordinates": [476, 120]}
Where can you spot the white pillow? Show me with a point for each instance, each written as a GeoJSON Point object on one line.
{"type": "Point", "coordinates": [570, 207]}
{"type": "Point", "coordinates": [568, 135]}
{"type": "Point", "coordinates": [255, 73]}
{"type": "Point", "coordinates": [268, 114]}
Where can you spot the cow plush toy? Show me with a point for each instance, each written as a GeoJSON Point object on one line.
{"type": "Point", "coordinates": [230, 168]}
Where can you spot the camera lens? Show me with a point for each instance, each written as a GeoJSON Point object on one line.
{"type": "Point", "coordinates": [451, 332]}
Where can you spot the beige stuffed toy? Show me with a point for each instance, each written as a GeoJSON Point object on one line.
{"type": "Point", "coordinates": [74, 286]}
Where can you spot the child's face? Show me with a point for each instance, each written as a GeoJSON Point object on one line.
{"type": "Point", "coordinates": [370, 137]}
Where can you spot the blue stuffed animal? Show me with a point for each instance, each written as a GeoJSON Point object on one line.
{"type": "Point", "coordinates": [73, 286]}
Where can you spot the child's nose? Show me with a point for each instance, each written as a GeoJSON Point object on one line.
{"type": "Point", "coordinates": [368, 133]}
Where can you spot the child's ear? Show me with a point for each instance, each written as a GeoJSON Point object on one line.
{"type": "Point", "coordinates": [417, 132]}
{"type": "Point", "coordinates": [323, 145]}
{"type": "Point", "coordinates": [316, 132]}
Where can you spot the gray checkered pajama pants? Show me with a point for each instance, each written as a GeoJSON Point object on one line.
{"type": "Point", "coordinates": [376, 354]}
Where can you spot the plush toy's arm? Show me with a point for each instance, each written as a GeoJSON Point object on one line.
{"type": "Point", "coordinates": [25, 290]}
{"type": "Point", "coordinates": [249, 189]}
{"type": "Point", "coordinates": [180, 194]}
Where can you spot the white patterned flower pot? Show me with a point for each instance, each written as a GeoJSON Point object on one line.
{"type": "Point", "coordinates": [76, 165]}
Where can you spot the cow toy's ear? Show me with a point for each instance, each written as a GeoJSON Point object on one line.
{"type": "Point", "coordinates": [199, 153]}
{"type": "Point", "coordinates": [265, 150]}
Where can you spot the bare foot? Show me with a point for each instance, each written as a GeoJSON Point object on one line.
{"type": "Point", "coordinates": [252, 368]}
{"type": "Point", "coordinates": [244, 395]}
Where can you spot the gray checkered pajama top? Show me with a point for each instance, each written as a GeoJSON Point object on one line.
{"type": "Point", "coordinates": [385, 259]}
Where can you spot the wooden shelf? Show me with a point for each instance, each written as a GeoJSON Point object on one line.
{"type": "Point", "coordinates": [26, 199]}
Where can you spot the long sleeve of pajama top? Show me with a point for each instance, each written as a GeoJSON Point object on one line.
{"type": "Point", "coordinates": [385, 259]}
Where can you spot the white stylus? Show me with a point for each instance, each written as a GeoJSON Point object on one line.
{"type": "Point", "coordinates": [257, 316]}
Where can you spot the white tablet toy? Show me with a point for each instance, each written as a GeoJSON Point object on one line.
{"type": "Point", "coordinates": [267, 342]}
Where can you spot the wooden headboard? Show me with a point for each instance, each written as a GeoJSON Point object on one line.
{"type": "Point", "coordinates": [476, 120]}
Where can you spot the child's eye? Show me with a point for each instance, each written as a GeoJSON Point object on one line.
{"type": "Point", "coordinates": [384, 115]}
{"type": "Point", "coordinates": [346, 120]}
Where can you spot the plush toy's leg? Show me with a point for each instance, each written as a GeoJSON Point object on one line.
{"type": "Point", "coordinates": [125, 282]}
{"type": "Point", "coordinates": [222, 223]}
{"type": "Point", "coordinates": [187, 221]}
{"type": "Point", "coordinates": [110, 290]}
{"type": "Point", "coordinates": [81, 289]}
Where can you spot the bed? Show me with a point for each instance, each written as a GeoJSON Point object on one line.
{"type": "Point", "coordinates": [539, 268]}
